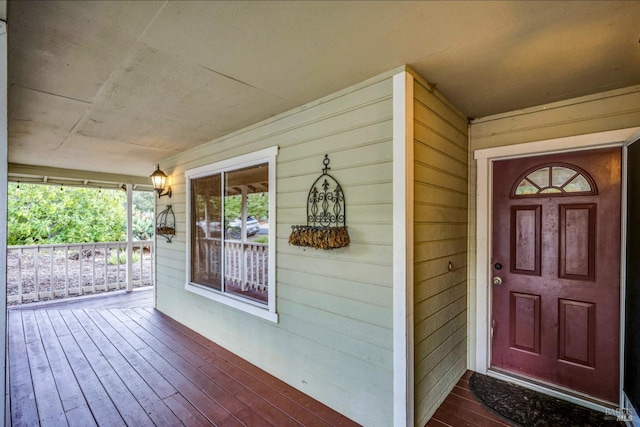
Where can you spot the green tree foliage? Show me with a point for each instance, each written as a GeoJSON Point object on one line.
{"type": "Point", "coordinates": [143, 201]}
{"type": "Point", "coordinates": [257, 207]}
{"type": "Point", "coordinates": [232, 208]}
{"type": "Point", "coordinates": [143, 209]}
{"type": "Point", "coordinates": [41, 214]}
{"type": "Point", "coordinates": [142, 224]}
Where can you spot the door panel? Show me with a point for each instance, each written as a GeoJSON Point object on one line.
{"type": "Point", "coordinates": [525, 322]}
{"type": "Point", "coordinates": [525, 239]}
{"type": "Point", "coordinates": [556, 224]}
{"type": "Point", "coordinates": [576, 343]}
{"type": "Point", "coordinates": [577, 241]}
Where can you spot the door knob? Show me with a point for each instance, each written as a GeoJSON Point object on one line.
{"type": "Point", "coordinates": [497, 280]}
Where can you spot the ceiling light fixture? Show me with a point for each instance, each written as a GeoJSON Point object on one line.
{"type": "Point", "coordinates": [159, 180]}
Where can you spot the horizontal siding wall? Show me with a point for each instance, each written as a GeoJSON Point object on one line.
{"type": "Point", "coordinates": [334, 336]}
{"type": "Point", "coordinates": [617, 109]}
{"type": "Point", "coordinates": [440, 238]}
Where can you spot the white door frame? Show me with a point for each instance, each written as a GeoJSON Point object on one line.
{"type": "Point", "coordinates": [482, 296]}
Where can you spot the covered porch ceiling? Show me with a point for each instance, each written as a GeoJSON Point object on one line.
{"type": "Point", "coordinates": [117, 86]}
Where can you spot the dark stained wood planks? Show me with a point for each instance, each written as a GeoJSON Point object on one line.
{"type": "Point", "coordinates": [461, 408]}
{"type": "Point", "coordinates": [140, 297]}
{"type": "Point", "coordinates": [138, 367]}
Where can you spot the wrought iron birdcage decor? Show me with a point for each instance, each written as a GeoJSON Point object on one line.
{"type": "Point", "coordinates": [166, 224]}
{"type": "Point", "coordinates": [326, 215]}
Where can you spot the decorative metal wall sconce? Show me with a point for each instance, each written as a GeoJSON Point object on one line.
{"type": "Point", "coordinates": [166, 224]}
{"type": "Point", "coordinates": [326, 215]}
{"type": "Point", "coordinates": [159, 180]}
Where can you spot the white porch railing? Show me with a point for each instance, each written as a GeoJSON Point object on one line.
{"type": "Point", "coordinates": [42, 272]}
{"type": "Point", "coordinates": [245, 264]}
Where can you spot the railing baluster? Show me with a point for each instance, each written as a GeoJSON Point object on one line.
{"type": "Point", "coordinates": [36, 267]}
{"type": "Point", "coordinates": [259, 263]}
{"type": "Point", "coordinates": [21, 253]}
{"type": "Point", "coordinates": [149, 262]}
{"type": "Point", "coordinates": [93, 268]}
{"type": "Point", "coordinates": [246, 273]}
{"type": "Point", "coordinates": [141, 252]}
{"type": "Point", "coordinates": [106, 263]}
{"type": "Point", "coordinates": [133, 251]}
{"type": "Point", "coordinates": [81, 282]}
{"type": "Point", "coordinates": [264, 269]}
{"type": "Point", "coordinates": [51, 284]}
{"type": "Point", "coordinates": [243, 267]}
{"type": "Point", "coordinates": [124, 267]}
{"type": "Point", "coordinates": [257, 268]}
{"type": "Point", "coordinates": [254, 267]}
{"type": "Point", "coordinates": [237, 268]}
{"type": "Point", "coordinates": [118, 265]}
{"type": "Point", "coordinates": [66, 271]}
{"type": "Point", "coordinates": [251, 265]}
{"type": "Point", "coordinates": [232, 264]}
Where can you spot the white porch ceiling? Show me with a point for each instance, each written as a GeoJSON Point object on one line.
{"type": "Point", "coordinates": [118, 86]}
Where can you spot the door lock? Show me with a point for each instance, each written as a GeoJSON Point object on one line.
{"type": "Point", "coordinates": [497, 280]}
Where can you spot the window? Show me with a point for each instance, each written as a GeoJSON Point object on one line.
{"type": "Point", "coordinates": [554, 180]}
{"type": "Point", "coordinates": [231, 232]}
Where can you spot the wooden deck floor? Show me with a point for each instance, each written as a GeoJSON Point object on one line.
{"type": "Point", "coordinates": [140, 297]}
{"type": "Point", "coordinates": [85, 366]}
{"type": "Point", "coordinates": [461, 408]}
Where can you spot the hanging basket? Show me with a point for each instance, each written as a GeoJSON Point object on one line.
{"type": "Point", "coordinates": [326, 215]}
{"type": "Point", "coordinates": [166, 224]}
{"type": "Point", "coordinates": [319, 237]}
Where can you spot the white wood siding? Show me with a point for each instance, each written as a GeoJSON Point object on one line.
{"type": "Point", "coordinates": [334, 336]}
{"type": "Point", "coordinates": [440, 237]}
{"type": "Point", "coordinates": [607, 111]}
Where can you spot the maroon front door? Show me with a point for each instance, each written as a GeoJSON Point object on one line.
{"type": "Point", "coordinates": [556, 270]}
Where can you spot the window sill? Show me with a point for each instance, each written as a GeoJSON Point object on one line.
{"type": "Point", "coordinates": [253, 309]}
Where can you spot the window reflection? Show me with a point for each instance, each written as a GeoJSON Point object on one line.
{"type": "Point", "coordinates": [554, 180]}
{"type": "Point", "coordinates": [229, 233]}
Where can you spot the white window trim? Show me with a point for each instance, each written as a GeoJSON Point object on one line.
{"type": "Point", "coordinates": [267, 155]}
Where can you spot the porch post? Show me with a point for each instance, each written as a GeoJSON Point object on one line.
{"type": "Point", "coordinates": [403, 200]}
{"type": "Point", "coordinates": [3, 207]}
{"type": "Point", "coordinates": [130, 237]}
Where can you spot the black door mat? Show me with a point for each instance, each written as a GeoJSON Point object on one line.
{"type": "Point", "coordinates": [528, 408]}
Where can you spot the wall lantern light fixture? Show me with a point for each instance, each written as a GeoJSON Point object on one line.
{"type": "Point", "coordinates": [159, 180]}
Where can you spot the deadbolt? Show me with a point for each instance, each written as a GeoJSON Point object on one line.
{"type": "Point", "coordinates": [497, 281]}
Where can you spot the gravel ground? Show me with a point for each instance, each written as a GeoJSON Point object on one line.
{"type": "Point", "coordinates": [69, 262]}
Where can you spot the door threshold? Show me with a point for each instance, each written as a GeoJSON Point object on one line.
{"type": "Point", "coordinates": [554, 390]}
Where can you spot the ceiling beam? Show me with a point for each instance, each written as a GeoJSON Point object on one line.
{"type": "Point", "coordinates": [32, 173]}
